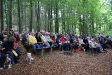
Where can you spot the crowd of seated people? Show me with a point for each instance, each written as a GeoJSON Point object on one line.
{"type": "Point", "coordinates": [8, 47]}
{"type": "Point", "coordinates": [38, 40]}
{"type": "Point", "coordinates": [45, 39]}
{"type": "Point", "coordinates": [92, 44]}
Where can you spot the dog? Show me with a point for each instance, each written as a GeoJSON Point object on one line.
{"type": "Point", "coordinates": [29, 58]}
{"type": "Point", "coordinates": [7, 63]}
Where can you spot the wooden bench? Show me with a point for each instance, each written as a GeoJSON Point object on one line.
{"type": "Point", "coordinates": [57, 47]}
{"type": "Point", "coordinates": [41, 51]}
{"type": "Point", "coordinates": [67, 53]}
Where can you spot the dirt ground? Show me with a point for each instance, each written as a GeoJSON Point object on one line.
{"type": "Point", "coordinates": [57, 63]}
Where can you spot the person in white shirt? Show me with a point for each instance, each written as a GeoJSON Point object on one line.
{"type": "Point", "coordinates": [47, 37]}
{"type": "Point", "coordinates": [45, 41]}
{"type": "Point", "coordinates": [92, 45]}
{"type": "Point", "coordinates": [98, 45]}
{"type": "Point", "coordinates": [81, 43]}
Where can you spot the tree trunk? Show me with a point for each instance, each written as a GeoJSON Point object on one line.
{"type": "Point", "coordinates": [83, 25]}
{"type": "Point", "coordinates": [10, 14]}
{"type": "Point", "coordinates": [48, 24]}
{"type": "Point", "coordinates": [51, 19]}
{"type": "Point", "coordinates": [63, 21]}
{"type": "Point", "coordinates": [74, 27]}
{"type": "Point", "coordinates": [25, 17]}
{"type": "Point", "coordinates": [38, 17]}
{"type": "Point", "coordinates": [92, 25]}
{"type": "Point", "coordinates": [22, 19]}
{"type": "Point", "coordinates": [6, 13]}
{"type": "Point", "coordinates": [31, 15]}
{"type": "Point", "coordinates": [19, 17]}
{"type": "Point", "coordinates": [56, 20]}
{"type": "Point", "coordinates": [46, 27]}
{"type": "Point", "coordinates": [80, 25]}
{"type": "Point", "coordinates": [37, 13]}
{"type": "Point", "coordinates": [1, 15]}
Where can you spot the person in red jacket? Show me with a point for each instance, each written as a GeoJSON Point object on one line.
{"type": "Point", "coordinates": [16, 35]}
{"type": "Point", "coordinates": [64, 46]}
{"type": "Point", "coordinates": [62, 39]}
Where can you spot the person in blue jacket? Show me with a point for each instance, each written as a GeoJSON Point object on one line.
{"type": "Point", "coordinates": [9, 47]}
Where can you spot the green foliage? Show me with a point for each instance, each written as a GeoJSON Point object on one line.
{"type": "Point", "coordinates": [80, 16]}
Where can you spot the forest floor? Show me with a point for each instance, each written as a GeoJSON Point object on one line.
{"type": "Point", "coordinates": [57, 63]}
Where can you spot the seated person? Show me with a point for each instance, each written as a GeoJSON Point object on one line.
{"type": "Point", "coordinates": [82, 43]}
{"type": "Point", "coordinates": [53, 41]}
{"type": "Point", "coordinates": [93, 47]}
{"type": "Point", "coordinates": [5, 35]}
{"type": "Point", "coordinates": [11, 32]}
{"type": "Point", "coordinates": [57, 39]}
{"type": "Point", "coordinates": [24, 39]}
{"type": "Point", "coordinates": [16, 35]}
{"type": "Point", "coordinates": [109, 41]}
{"type": "Point", "coordinates": [76, 44]}
{"type": "Point", "coordinates": [2, 60]}
{"type": "Point", "coordinates": [68, 39]}
{"type": "Point", "coordinates": [86, 46]}
{"type": "Point", "coordinates": [102, 41]}
{"type": "Point", "coordinates": [33, 42]}
{"type": "Point", "coordinates": [39, 40]}
{"type": "Point", "coordinates": [1, 37]}
{"type": "Point", "coordinates": [71, 42]}
{"type": "Point", "coordinates": [49, 38]}
{"type": "Point", "coordinates": [14, 53]}
{"type": "Point", "coordinates": [63, 44]}
{"type": "Point", "coordinates": [98, 45]}
{"type": "Point", "coordinates": [2, 57]}
{"type": "Point", "coordinates": [45, 41]}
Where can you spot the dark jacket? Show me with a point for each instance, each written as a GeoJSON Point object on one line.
{"type": "Point", "coordinates": [1, 37]}
{"type": "Point", "coordinates": [85, 41]}
{"type": "Point", "coordinates": [24, 40]}
{"type": "Point", "coordinates": [38, 39]}
{"type": "Point", "coordinates": [71, 40]}
{"type": "Point", "coordinates": [8, 45]}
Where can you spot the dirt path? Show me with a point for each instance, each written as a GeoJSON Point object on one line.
{"type": "Point", "coordinates": [58, 64]}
